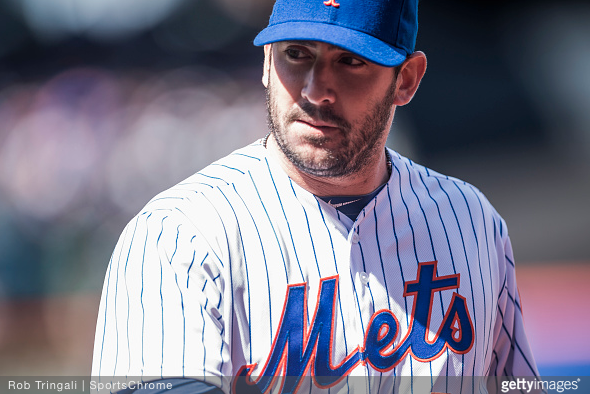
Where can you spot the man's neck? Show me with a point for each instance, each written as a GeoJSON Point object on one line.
{"type": "Point", "coordinates": [364, 182]}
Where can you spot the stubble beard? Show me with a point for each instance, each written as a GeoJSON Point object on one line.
{"type": "Point", "coordinates": [359, 143]}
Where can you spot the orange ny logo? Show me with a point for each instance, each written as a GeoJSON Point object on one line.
{"type": "Point", "coordinates": [332, 3]}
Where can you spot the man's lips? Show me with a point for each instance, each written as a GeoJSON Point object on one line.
{"type": "Point", "coordinates": [326, 126]}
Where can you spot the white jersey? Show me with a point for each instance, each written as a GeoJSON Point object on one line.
{"type": "Point", "coordinates": [240, 271]}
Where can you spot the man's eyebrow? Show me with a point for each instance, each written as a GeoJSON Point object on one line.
{"type": "Point", "coordinates": [314, 44]}
{"type": "Point", "coordinates": [308, 43]}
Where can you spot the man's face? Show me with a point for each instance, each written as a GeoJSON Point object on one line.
{"type": "Point", "coordinates": [329, 110]}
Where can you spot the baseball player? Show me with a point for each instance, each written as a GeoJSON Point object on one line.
{"type": "Point", "coordinates": [316, 254]}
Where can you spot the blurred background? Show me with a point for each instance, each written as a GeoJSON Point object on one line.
{"type": "Point", "coordinates": [105, 103]}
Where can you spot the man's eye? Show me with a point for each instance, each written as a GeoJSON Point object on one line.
{"type": "Point", "coordinates": [351, 61]}
{"type": "Point", "coordinates": [294, 53]}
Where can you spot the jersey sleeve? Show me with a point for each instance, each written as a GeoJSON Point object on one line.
{"type": "Point", "coordinates": [512, 355]}
{"type": "Point", "coordinates": [162, 309]}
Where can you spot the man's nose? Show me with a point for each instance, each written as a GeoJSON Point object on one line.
{"type": "Point", "coordinates": [318, 88]}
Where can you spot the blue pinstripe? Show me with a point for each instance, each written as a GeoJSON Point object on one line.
{"type": "Point", "coordinates": [514, 300]}
{"type": "Point", "coordinates": [510, 261]}
{"type": "Point", "coordinates": [213, 177]}
{"type": "Point", "coordinates": [265, 261]}
{"type": "Point", "coordinates": [116, 291]}
{"type": "Point", "coordinates": [308, 230]}
{"type": "Point", "coordinates": [273, 229]}
{"type": "Point", "coordinates": [480, 271]}
{"type": "Point", "coordinates": [198, 183]}
{"type": "Point", "coordinates": [286, 221]}
{"type": "Point", "coordinates": [246, 266]}
{"type": "Point", "coordinates": [415, 252]}
{"type": "Point", "coordinates": [450, 254]}
{"type": "Point", "coordinates": [165, 198]}
{"type": "Point", "coordinates": [429, 236]}
{"type": "Point", "coordinates": [161, 298]}
{"type": "Point", "coordinates": [339, 300]}
{"type": "Point", "coordinates": [516, 344]}
{"type": "Point", "coordinates": [381, 260]}
{"type": "Point", "coordinates": [231, 280]}
{"type": "Point", "coordinates": [466, 263]}
{"type": "Point", "coordinates": [485, 227]}
{"type": "Point", "coordinates": [497, 358]}
{"type": "Point", "coordinates": [181, 301]}
{"type": "Point", "coordinates": [504, 287]}
{"type": "Point", "coordinates": [372, 302]}
{"type": "Point", "coordinates": [191, 265]}
{"type": "Point", "coordinates": [399, 262]}
{"type": "Point", "coordinates": [125, 276]}
{"type": "Point", "coordinates": [141, 296]}
{"type": "Point", "coordinates": [383, 273]}
{"type": "Point", "coordinates": [248, 156]}
{"type": "Point", "coordinates": [228, 167]}
{"type": "Point", "coordinates": [203, 340]}
{"type": "Point", "coordinates": [433, 254]}
{"type": "Point", "coordinates": [312, 245]}
{"type": "Point", "coordinates": [336, 268]}
{"type": "Point", "coordinates": [398, 256]}
{"type": "Point", "coordinates": [105, 316]}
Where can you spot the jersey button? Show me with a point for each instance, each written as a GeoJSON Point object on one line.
{"type": "Point", "coordinates": [364, 277]}
{"type": "Point", "coordinates": [355, 238]}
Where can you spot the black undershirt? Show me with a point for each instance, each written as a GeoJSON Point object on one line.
{"type": "Point", "coordinates": [351, 206]}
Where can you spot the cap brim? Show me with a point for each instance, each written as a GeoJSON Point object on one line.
{"type": "Point", "coordinates": [364, 45]}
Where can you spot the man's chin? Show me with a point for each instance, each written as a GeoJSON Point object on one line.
{"type": "Point", "coordinates": [315, 157]}
{"type": "Point", "coordinates": [329, 168]}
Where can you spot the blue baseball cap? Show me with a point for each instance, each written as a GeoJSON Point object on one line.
{"type": "Point", "coordinates": [381, 31]}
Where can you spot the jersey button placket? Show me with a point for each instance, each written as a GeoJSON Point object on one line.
{"type": "Point", "coordinates": [361, 284]}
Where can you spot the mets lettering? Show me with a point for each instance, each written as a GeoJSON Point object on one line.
{"type": "Point", "coordinates": [295, 348]}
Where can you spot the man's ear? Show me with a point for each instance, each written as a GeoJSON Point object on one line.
{"type": "Point", "coordinates": [266, 67]}
{"type": "Point", "coordinates": [409, 76]}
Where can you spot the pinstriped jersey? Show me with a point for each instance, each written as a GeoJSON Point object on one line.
{"type": "Point", "coordinates": [238, 271]}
